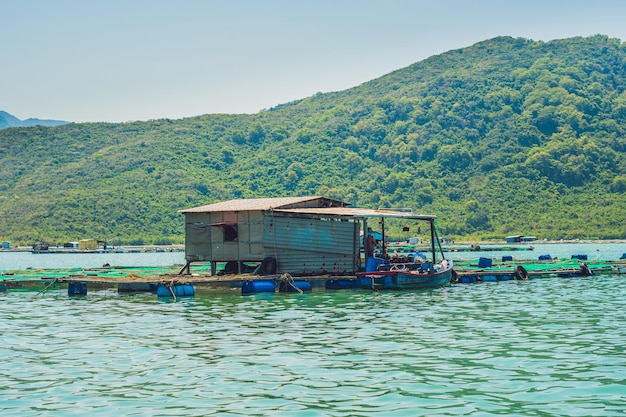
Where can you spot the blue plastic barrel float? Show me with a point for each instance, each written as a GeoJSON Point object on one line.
{"type": "Point", "coordinates": [294, 286]}
{"type": "Point", "coordinates": [77, 288]}
{"type": "Point", "coordinates": [178, 290]}
{"type": "Point", "coordinates": [258, 286]}
{"type": "Point", "coordinates": [467, 279]}
{"type": "Point", "coordinates": [485, 262]}
{"type": "Point", "coordinates": [580, 257]}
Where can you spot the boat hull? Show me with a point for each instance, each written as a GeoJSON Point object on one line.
{"type": "Point", "coordinates": [404, 280]}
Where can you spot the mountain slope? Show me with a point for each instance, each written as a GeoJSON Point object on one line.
{"type": "Point", "coordinates": [503, 137]}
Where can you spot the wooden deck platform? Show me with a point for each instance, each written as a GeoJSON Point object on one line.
{"type": "Point", "coordinates": [147, 284]}
{"type": "Point", "coordinates": [136, 279]}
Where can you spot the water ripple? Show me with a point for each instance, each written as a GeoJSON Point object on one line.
{"type": "Point", "coordinates": [535, 348]}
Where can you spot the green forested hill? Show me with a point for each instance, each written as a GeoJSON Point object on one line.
{"type": "Point", "coordinates": [508, 136]}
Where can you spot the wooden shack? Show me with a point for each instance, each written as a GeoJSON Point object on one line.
{"type": "Point", "coordinates": [254, 230]}
{"type": "Point", "coordinates": [298, 235]}
{"type": "Point", "coordinates": [88, 244]}
{"type": "Point", "coordinates": [513, 239]}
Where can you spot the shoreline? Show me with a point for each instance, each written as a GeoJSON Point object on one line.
{"type": "Point", "coordinates": [181, 247]}
{"type": "Point", "coordinates": [560, 241]}
{"type": "Point", "coordinates": [112, 249]}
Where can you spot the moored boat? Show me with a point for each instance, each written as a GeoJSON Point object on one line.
{"type": "Point", "coordinates": [407, 276]}
{"type": "Point", "coordinates": [399, 272]}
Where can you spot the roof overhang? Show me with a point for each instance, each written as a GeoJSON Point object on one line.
{"type": "Point", "coordinates": [351, 212]}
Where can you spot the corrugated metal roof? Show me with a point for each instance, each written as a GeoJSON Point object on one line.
{"type": "Point", "coordinates": [257, 204]}
{"type": "Point", "coordinates": [358, 212]}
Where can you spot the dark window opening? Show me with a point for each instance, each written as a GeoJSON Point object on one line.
{"type": "Point", "coordinates": [230, 233]}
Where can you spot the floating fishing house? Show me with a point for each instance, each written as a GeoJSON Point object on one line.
{"type": "Point", "coordinates": [297, 235]}
{"type": "Point", "coordinates": [519, 239]}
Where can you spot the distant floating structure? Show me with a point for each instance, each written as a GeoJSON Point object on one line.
{"type": "Point", "coordinates": [520, 239]}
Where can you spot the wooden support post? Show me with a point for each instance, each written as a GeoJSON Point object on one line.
{"type": "Point", "coordinates": [185, 270]}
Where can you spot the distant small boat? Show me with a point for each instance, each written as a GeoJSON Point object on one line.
{"type": "Point", "coordinates": [40, 248]}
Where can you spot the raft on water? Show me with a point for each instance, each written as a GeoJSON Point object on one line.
{"type": "Point", "coordinates": [525, 269]}
{"type": "Point", "coordinates": [146, 279]}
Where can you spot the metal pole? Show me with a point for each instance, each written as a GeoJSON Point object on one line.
{"type": "Point", "coordinates": [433, 236]}
{"type": "Point", "coordinates": [365, 235]}
{"type": "Point", "coordinates": [384, 242]}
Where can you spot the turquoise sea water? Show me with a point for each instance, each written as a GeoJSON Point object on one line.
{"type": "Point", "coordinates": [545, 347]}
{"type": "Point", "coordinates": [28, 260]}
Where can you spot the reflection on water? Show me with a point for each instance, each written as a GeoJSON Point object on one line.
{"type": "Point", "coordinates": [534, 348]}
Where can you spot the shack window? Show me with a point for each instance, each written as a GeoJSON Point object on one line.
{"type": "Point", "coordinates": [230, 233]}
{"type": "Point", "coordinates": [229, 229]}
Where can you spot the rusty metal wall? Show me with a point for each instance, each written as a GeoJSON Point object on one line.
{"type": "Point", "coordinates": [301, 245]}
{"type": "Point", "coordinates": [204, 242]}
{"type": "Point", "coordinates": [250, 232]}
{"type": "Point", "coordinates": [197, 236]}
{"type": "Point", "coordinates": [307, 246]}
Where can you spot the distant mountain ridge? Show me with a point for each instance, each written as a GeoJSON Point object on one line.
{"type": "Point", "coordinates": [8, 120]}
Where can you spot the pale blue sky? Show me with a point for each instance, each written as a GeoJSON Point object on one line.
{"type": "Point", "coordinates": [124, 60]}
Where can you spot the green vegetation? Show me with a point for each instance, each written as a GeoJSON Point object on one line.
{"type": "Point", "coordinates": [508, 136]}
